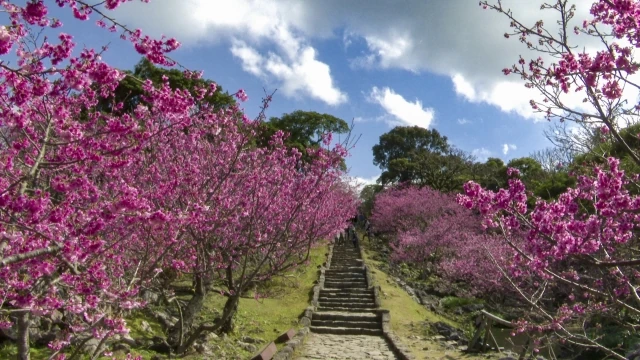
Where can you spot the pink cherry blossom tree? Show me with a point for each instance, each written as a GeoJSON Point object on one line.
{"type": "Point", "coordinates": [430, 230]}
{"type": "Point", "coordinates": [94, 205]}
{"type": "Point", "coordinates": [577, 266]}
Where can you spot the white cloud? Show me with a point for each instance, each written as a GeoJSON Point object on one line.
{"type": "Point", "coordinates": [508, 147]}
{"type": "Point", "coordinates": [481, 154]}
{"type": "Point", "coordinates": [360, 182]}
{"type": "Point", "coordinates": [253, 26]}
{"type": "Point", "coordinates": [464, 121]}
{"type": "Point", "coordinates": [453, 38]}
{"type": "Point", "coordinates": [402, 112]}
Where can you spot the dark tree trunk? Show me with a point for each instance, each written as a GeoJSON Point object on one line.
{"type": "Point", "coordinates": [182, 328]}
{"type": "Point", "coordinates": [23, 336]}
{"type": "Point", "coordinates": [229, 312]}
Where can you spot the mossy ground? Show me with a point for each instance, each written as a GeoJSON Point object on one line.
{"type": "Point", "coordinates": [265, 318]}
{"type": "Point", "coordinates": [410, 320]}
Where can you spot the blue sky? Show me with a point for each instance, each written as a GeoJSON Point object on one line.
{"type": "Point", "coordinates": [433, 63]}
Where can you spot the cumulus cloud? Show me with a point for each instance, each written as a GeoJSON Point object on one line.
{"type": "Point", "coordinates": [361, 182]}
{"type": "Point", "coordinates": [253, 27]}
{"type": "Point", "coordinates": [464, 121]}
{"type": "Point", "coordinates": [508, 147]}
{"type": "Point", "coordinates": [401, 111]}
{"type": "Point", "coordinates": [481, 154]}
{"type": "Point", "coordinates": [299, 72]}
{"type": "Point", "coordinates": [453, 38]}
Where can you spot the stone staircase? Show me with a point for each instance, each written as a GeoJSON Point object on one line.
{"type": "Point", "coordinates": [346, 304]}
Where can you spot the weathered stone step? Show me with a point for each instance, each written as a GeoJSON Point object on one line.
{"type": "Point", "coordinates": [341, 285]}
{"type": "Point", "coordinates": [341, 268]}
{"type": "Point", "coordinates": [345, 331]}
{"type": "Point", "coordinates": [347, 324]}
{"type": "Point", "coordinates": [347, 316]}
{"type": "Point", "coordinates": [347, 309]}
{"type": "Point", "coordinates": [347, 298]}
{"type": "Point", "coordinates": [345, 277]}
{"type": "Point", "coordinates": [347, 280]}
{"type": "Point", "coordinates": [349, 295]}
{"type": "Point", "coordinates": [348, 304]}
{"type": "Point", "coordinates": [359, 271]}
{"type": "Point", "coordinates": [346, 291]}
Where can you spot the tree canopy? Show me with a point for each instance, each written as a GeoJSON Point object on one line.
{"type": "Point", "coordinates": [130, 90]}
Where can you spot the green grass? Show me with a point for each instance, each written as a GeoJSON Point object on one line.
{"type": "Point", "coordinates": [266, 318]}
{"type": "Point", "coordinates": [408, 318]}
{"type": "Point", "coordinates": [452, 302]}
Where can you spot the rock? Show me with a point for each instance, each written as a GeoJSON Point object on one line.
{"type": "Point", "coordinates": [248, 347]}
{"type": "Point", "coordinates": [145, 327]}
{"type": "Point", "coordinates": [127, 339]}
{"type": "Point", "coordinates": [305, 321]}
{"type": "Point", "coordinates": [151, 297]}
{"type": "Point", "coordinates": [250, 340]}
{"type": "Point", "coordinates": [122, 347]}
{"type": "Point", "coordinates": [167, 320]}
{"type": "Point", "coordinates": [472, 307]}
{"type": "Point", "coordinates": [91, 346]}
{"type": "Point", "coordinates": [202, 348]}
{"type": "Point", "coordinates": [160, 345]}
{"type": "Point", "coordinates": [211, 337]}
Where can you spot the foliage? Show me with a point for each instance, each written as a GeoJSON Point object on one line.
{"type": "Point", "coordinates": [367, 196]}
{"type": "Point", "coordinates": [96, 205]}
{"type": "Point", "coordinates": [430, 229]}
{"type": "Point", "coordinates": [130, 90]}
{"type": "Point", "coordinates": [577, 265]}
{"type": "Point", "coordinates": [420, 156]}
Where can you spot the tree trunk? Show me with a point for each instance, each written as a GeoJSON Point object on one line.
{"type": "Point", "coordinates": [23, 336]}
{"type": "Point", "coordinates": [189, 314]}
{"type": "Point", "coordinates": [229, 312]}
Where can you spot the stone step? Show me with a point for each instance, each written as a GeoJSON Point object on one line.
{"type": "Point", "coordinates": [344, 272]}
{"type": "Point", "coordinates": [339, 280]}
{"type": "Point", "coordinates": [348, 324]}
{"type": "Point", "coordinates": [346, 316]}
{"type": "Point", "coordinates": [346, 291]}
{"type": "Point", "coordinates": [346, 309]}
{"type": "Point", "coordinates": [346, 296]}
{"type": "Point", "coordinates": [342, 285]}
{"type": "Point", "coordinates": [348, 304]}
{"type": "Point", "coordinates": [344, 278]}
{"type": "Point", "coordinates": [355, 268]}
{"type": "Point", "coordinates": [344, 331]}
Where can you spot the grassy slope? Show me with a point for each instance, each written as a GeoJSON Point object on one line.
{"type": "Point", "coordinates": [263, 319]}
{"type": "Point", "coordinates": [408, 318]}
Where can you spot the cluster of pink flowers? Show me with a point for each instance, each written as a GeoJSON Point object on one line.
{"type": "Point", "coordinates": [582, 243]}
{"type": "Point", "coordinates": [94, 205]}
{"type": "Point", "coordinates": [429, 229]}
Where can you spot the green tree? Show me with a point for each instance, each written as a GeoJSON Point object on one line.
{"type": "Point", "coordinates": [421, 156]}
{"type": "Point", "coordinates": [305, 129]}
{"type": "Point", "coordinates": [531, 171]}
{"type": "Point", "coordinates": [368, 195]}
{"type": "Point", "coordinates": [130, 91]}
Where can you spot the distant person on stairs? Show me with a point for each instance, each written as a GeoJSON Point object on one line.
{"type": "Point", "coordinates": [353, 235]}
{"type": "Point", "coordinates": [367, 230]}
